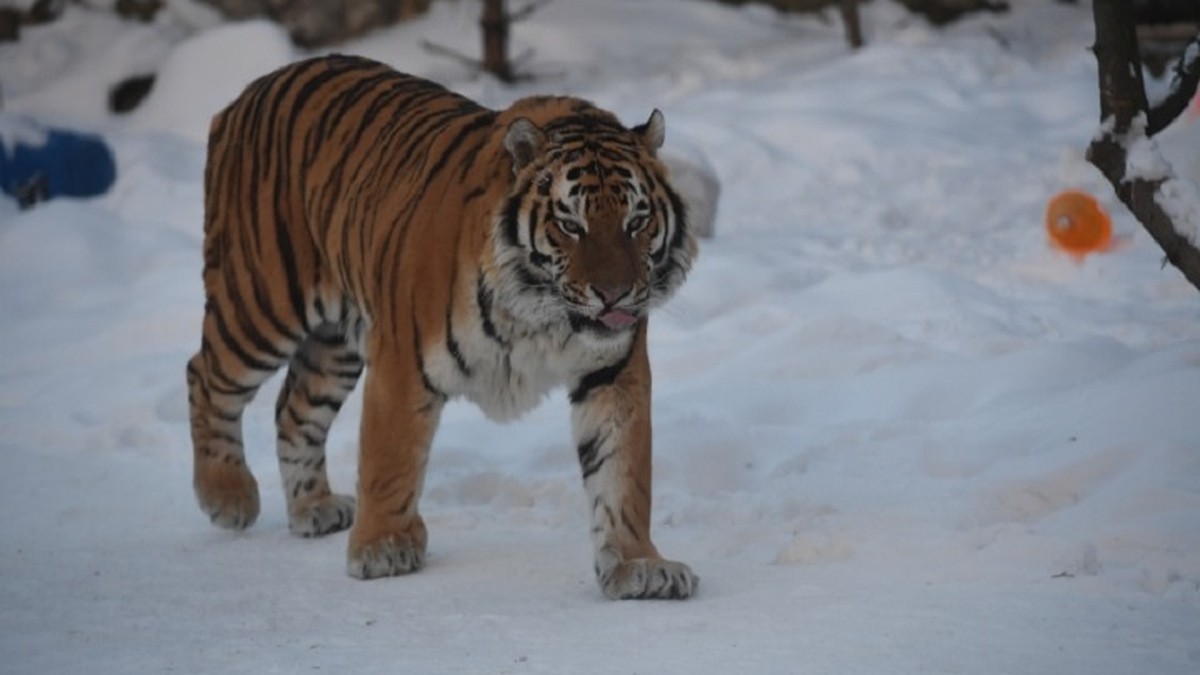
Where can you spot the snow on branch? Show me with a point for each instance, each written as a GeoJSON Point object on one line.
{"type": "Point", "coordinates": [1183, 85]}
{"type": "Point", "coordinates": [1123, 149]}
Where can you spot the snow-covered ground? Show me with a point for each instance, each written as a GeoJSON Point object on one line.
{"type": "Point", "coordinates": [895, 432]}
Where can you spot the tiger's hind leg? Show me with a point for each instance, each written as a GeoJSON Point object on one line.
{"type": "Point", "coordinates": [218, 391]}
{"type": "Point", "coordinates": [321, 375]}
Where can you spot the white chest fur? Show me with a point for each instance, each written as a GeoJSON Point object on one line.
{"type": "Point", "coordinates": [510, 371]}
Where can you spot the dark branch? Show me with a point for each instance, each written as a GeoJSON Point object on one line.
{"type": "Point", "coordinates": [1122, 92]}
{"type": "Point", "coordinates": [1183, 88]}
{"type": "Point", "coordinates": [521, 59]}
{"type": "Point", "coordinates": [442, 50]}
{"type": "Point", "coordinates": [1122, 101]}
{"type": "Point", "coordinates": [527, 11]}
{"type": "Point", "coordinates": [1140, 196]}
{"type": "Point", "coordinates": [476, 66]}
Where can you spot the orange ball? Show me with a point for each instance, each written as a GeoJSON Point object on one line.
{"type": "Point", "coordinates": [1077, 225]}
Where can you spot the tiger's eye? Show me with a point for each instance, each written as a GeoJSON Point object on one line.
{"type": "Point", "coordinates": [637, 224]}
{"type": "Point", "coordinates": [569, 227]}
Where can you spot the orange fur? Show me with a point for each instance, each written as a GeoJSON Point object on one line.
{"type": "Point", "coordinates": [356, 216]}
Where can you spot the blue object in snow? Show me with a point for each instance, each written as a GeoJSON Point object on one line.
{"type": "Point", "coordinates": [39, 163]}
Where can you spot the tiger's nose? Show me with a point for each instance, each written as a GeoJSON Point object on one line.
{"type": "Point", "coordinates": [609, 294]}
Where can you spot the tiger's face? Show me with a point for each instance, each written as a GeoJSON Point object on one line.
{"type": "Point", "coordinates": [593, 232]}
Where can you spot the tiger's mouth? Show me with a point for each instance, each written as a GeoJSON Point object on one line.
{"type": "Point", "coordinates": [617, 319]}
{"type": "Point", "coordinates": [608, 322]}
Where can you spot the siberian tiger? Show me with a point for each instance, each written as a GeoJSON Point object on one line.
{"type": "Point", "coordinates": [356, 216]}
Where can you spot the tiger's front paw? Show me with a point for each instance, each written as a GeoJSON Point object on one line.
{"type": "Point", "coordinates": [644, 578]}
{"type": "Point", "coordinates": [331, 513]}
{"type": "Point", "coordinates": [386, 555]}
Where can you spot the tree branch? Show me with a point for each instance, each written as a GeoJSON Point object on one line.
{"type": "Point", "coordinates": [527, 10]}
{"type": "Point", "coordinates": [1110, 154]}
{"type": "Point", "coordinates": [476, 65]}
{"type": "Point", "coordinates": [1183, 88]}
{"type": "Point", "coordinates": [441, 50]}
{"type": "Point", "coordinates": [1122, 108]}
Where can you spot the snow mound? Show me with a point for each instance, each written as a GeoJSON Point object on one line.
{"type": "Point", "coordinates": [206, 72]}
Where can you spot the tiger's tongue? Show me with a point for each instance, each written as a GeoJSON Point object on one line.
{"type": "Point", "coordinates": [616, 319]}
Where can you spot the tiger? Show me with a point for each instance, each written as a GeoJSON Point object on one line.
{"type": "Point", "coordinates": [359, 219]}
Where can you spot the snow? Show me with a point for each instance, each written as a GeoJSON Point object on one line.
{"type": "Point", "coordinates": [205, 72]}
{"type": "Point", "coordinates": [1144, 161]}
{"type": "Point", "coordinates": [895, 432]}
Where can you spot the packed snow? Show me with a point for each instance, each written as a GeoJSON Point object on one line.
{"type": "Point", "coordinates": [895, 431]}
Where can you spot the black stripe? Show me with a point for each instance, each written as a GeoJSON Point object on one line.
{"type": "Point", "coordinates": [319, 305]}
{"type": "Point", "coordinates": [265, 308]}
{"type": "Point", "coordinates": [599, 378]}
{"type": "Point", "coordinates": [334, 114]}
{"type": "Point", "coordinates": [680, 212]}
{"type": "Point", "coordinates": [483, 298]}
{"type": "Point", "coordinates": [230, 342]}
{"type": "Point", "coordinates": [224, 384]}
{"type": "Point", "coordinates": [302, 359]}
{"type": "Point", "coordinates": [348, 358]}
{"type": "Point", "coordinates": [401, 223]}
{"type": "Point", "coordinates": [259, 136]}
{"type": "Point", "coordinates": [474, 194]}
{"type": "Point", "coordinates": [393, 168]}
{"type": "Point", "coordinates": [218, 435]}
{"type": "Point", "coordinates": [484, 118]}
{"type": "Point", "coordinates": [536, 257]}
{"type": "Point", "coordinates": [420, 355]}
{"type": "Point", "coordinates": [298, 107]}
{"type": "Point", "coordinates": [333, 403]}
{"type": "Point", "coordinates": [328, 335]}
{"type": "Point", "coordinates": [350, 375]}
{"type": "Point", "coordinates": [468, 160]}
{"type": "Point", "coordinates": [528, 280]}
{"type": "Point", "coordinates": [665, 269]}
{"type": "Point", "coordinates": [660, 256]}
{"type": "Point", "coordinates": [334, 186]}
{"type": "Point", "coordinates": [576, 126]}
{"type": "Point", "coordinates": [512, 220]}
{"type": "Point", "coordinates": [225, 415]}
{"type": "Point", "coordinates": [380, 139]}
{"type": "Point", "coordinates": [590, 459]}
{"type": "Point", "coordinates": [285, 392]}
{"type": "Point", "coordinates": [627, 522]}
{"type": "Point", "coordinates": [287, 253]}
{"type": "Point", "coordinates": [300, 423]}
{"type": "Point", "coordinates": [256, 134]}
{"type": "Point", "coordinates": [453, 348]}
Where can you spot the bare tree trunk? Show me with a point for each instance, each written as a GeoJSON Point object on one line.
{"type": "Point", "coordinates": [1124, 113]}
{"type": "Point", "coordinates": [495, 21]}
{"type": "Point", "coordinates": [852, 22]}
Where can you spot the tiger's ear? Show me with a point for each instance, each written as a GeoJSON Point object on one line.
{"type": "Point", "coordinates": [523, 141]}
{"type": "Point", "coordinates": [653, 132]}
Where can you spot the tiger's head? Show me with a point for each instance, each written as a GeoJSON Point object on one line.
{"type": "Point", "coordinates": [591, 231]}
